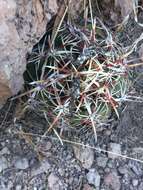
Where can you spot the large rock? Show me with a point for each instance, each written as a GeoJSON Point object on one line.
{"type": "Point", "coordinates": [22, 23]}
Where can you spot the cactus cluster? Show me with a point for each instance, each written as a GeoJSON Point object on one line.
{"type": "Point", "coordinates": [80, 78]}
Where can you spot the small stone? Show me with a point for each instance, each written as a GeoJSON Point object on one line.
{"type": "Point", "coordinates": [139, 150]}
{"type": "Point", "coordinates": [136, 167]}
{"type": "Point", "coordinates": [93, 178]}
{"type": "Point", "coordinates": [84, 155]}
{"type": "Point", "coordinates": [108, 132]}
{"type": "Point", "coordinates": [112, 180]}
{"type": "Point", "coordinates": [123, 170]}
{"type": "Point", "coordinates": [43, 167]}
{"type": "Point", "coordinates": [48, 145]}
{"type": "Point", "coordinates": [140, 186]}
{"type": "Point", "coordinates": [87, 187]}
{"type": "Point", "coordinates": [18, 187]}
{"type": "Point", "coordinates": [115, 148]}
{"type": "Point", "coordinates": [21, 163]}
{"type": "Point", "coordinates": [5, 150]}
{"type": "Point", "coordinates": [61, 171]}
{"type": "Point", "coordinates": [102, 161]}
{"type": "Point", "coordinates": [111, 164]}
{"type": "Point", "coordinates": [107, 170]}
{"type": "Point", "coordinates": [9, 184]}
{"type": "Point", "coordinates": [135, 182]}
{"type": "Point", "coordinates": [4, 164]}
{"type": "Point", "coordinates": [53, 182]}
{"type": "Point", "coordinates": [45, 146]}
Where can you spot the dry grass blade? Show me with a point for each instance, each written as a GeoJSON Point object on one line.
{"type": "Point", "coordinates": [97, 149]}
{"type": "Point", "coordinates": [59, 20]}
{"type": "Point", "coordinates": [135, 65]}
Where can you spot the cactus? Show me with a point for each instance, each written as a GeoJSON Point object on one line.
{"type": "Point", "coordinates": [80, 78]}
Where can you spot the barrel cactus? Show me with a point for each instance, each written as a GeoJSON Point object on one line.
{"type": "Point", "coordinates": [80, 77]}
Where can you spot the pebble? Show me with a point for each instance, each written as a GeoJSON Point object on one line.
{"type": "Point", "coordinates": [4, 164]}
{"type": "Point", "coordinates": [107, 170]}
{"type": "Point", "coordinates": [48, 145]}
{"type": "Point", "coordinates": [87, 187]}
{"type": "Point", "coordinates": [112, 180]}
{"type": "Point", "coordinates": [115, 148]}
{"type": "Point", "coordinates": [108, 132]}
{"type": "Point", "coordinates": [84, 155]}
{"type": "Point", "coordinates": [102, 161]}
{"type": "Point", "coordinates": [10, 184]}
{"type": "Point", "coordinates": [53, 182]}
{"type": "Point", "coordinates": [111, 164]}
{"type": "Point", "coordinates": [21, 163]}
{"type": "Point", "coordinates": [61, 171]}
{"type": "Point", "coordinates": [18, 187]}
{"type": "Point", "coordinates": [44, 166]}
{"type": "Point", "coordinates": [135, 182]}
{"type": "Point", "coordinates": [93, 178]}
{"type": "Point", "coordinates": [123, 170]}
{"type": "Point", "coordinates": [140, 186]}
{"type": "Point", "coordinates": [45, 146]}
{"type": "Point", "coordinates": [136, 167]}
{"type": "Point", "coordinates": [5, 150]}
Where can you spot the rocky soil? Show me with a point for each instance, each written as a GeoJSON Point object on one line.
{"type": "Point", "coordinates": [28, 162]}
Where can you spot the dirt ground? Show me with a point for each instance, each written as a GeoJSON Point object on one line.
{"type": "Point", "coordinates": [29, 162]}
